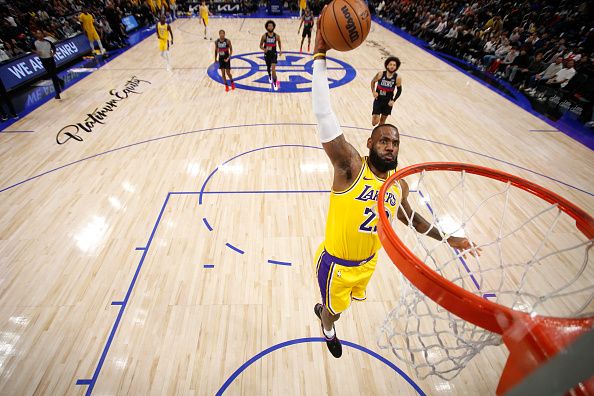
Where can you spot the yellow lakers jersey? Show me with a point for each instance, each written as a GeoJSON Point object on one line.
{"type": "Point", "coordinates": [351, 228]}
{"type": "Point", "coordinates": [204, 12]}
{"type": "Point", "coordinates": [163, 32]}
{"type": "Point", "coordinates": [86, 21]}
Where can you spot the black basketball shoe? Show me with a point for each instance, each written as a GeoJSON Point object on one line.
{"type": "Point", "coordinates": [333, 344]}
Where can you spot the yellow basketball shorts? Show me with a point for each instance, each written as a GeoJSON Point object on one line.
{"type": "Point", "coordinates": [341, 280]}
{"type": "Point", "coordinates": [92, 36]}
{"type": "Point", "coordinates": [205, 21]}
{"type": "Point", "coordinates": [163, 45]}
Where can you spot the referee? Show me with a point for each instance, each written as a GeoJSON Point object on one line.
{"type": "Point", "coordinates": [46, 50]}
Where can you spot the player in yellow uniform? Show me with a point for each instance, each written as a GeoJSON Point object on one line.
{"type": "Point", "coordinates": [163, 34]}
{"type": "Point", "coordinates": [88, 26]}
{"type": "Point", "coordinates": [346, 260]}
{"type": "Point", "coordinates": [302, 7]}
{"type": "Point", "coordinates": [204, 14]}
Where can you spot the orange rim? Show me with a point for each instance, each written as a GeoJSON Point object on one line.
{"type": "Point", "coordinates": [464, 304]}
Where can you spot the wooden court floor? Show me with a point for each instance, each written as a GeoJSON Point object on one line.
{"type": "Point", "coordinates": [174, 242]}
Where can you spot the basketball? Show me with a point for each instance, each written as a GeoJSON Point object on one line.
{"type": "Point", "coordinates": [344, 24]}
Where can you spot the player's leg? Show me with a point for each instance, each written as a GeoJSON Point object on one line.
{"type": "Point", "coordinates": [167, 57]}
{"type": "Point", "coordinates": [385, 111]}
{"type": "Point", "coordinates": [376, 112]}
{"type": "Point", "coordinates": [228, 71]}
{"type": "Point", "coordinates": [275, 82]}
{"type": "Point", "coordinates": [335, 299]}
{"type": "Point", "coordinates": [268, 66]}
{"type": "Point", "coordinates": [91, 44]}
{"type": "Point", "coordinates": [302, 40]}
{"type": "Point", "coordinates": [274, 79]}
{"type": "Point", "coordinates": [204, 23]}
{"type": "Point", "coordinates": [223, 74]}
{"type": "Point", "coordinates": [364, 273]}
{"type": "Point", "coordinates": [309, 40]}
{"type": "Point", "coordinates": [96, 38]}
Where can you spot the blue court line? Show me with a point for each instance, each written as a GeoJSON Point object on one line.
{"type": "Point", "coordinates": [278, 67]}
{"type": "Point", "coordinates": [238, 250]}
{"type": "Point", "coordinates": [279, 262]}
{"type": "Point", "coordinates": [285, 344]}
{"type": "Point", "coordinates": [245, 153]}
{"type": "Point", "coordinates": [140, 248]}
{"type": "Point", "coordinates": [123, 304]}
{"type": "Point", "coordinates": [206, 224]}
{"type": "Point", "coordinates": [91, 383]}
{"type": "Point", "coordinates": [83, 382]}
{"type": "Point", "coordinates": [487, 295]}
{"type": "Point", "coordinates": [288, 124]}
{"type": "Point", "coordinates": [252, 192]}
{"type": "Point", "coordinates": [145, 142]}
{"type": "Point", "coordinates": [266, 192]}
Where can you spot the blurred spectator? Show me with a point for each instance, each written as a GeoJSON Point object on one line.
{"type": "Point", "coordinates": [19, 18]}
{"type": "Point", "coordinates": [543, 77]}
{"type": "Point", "coordinates": [526, 42]}
{"type": "Point", "coordinates": [563, 76]}
{"type": "Point", "coordinates": [114, 18]}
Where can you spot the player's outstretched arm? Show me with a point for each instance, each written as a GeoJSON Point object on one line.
{"type": "Point", "coordinates": [422, 226]}
{"type": "Point", "coordinates": [344, 157]}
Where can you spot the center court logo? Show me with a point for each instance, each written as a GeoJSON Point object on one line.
{"type": "Point", "coordinates": [294, 70]}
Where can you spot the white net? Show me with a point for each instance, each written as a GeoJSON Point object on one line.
{"type": "Point", "coordinates": [533, 260]}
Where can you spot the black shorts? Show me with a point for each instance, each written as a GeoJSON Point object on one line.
{"type": "Point", "coordinates": [224, 63]}
{"type": "Point", "coordinates": [271, 57]}
{"type": "Point", "coordinates": [381, 107]}
{"type": "Point", "coordinates": [306, 31]}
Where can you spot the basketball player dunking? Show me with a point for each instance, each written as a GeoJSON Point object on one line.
{"type": "Point", "coordinates": [346, 259]}
{"type": "Point", "coordinates": [163, 34]}
{"type": "Point", "coordinates": [224, 50]}
{"type": "Point", "coordinates": [307, 21]}
{"type": "Point", "coordinates": [269, 43]}
{"type": "Point", "coordinates": [204, 14]}
{"type": "Point", "coordinates": [383, 86]}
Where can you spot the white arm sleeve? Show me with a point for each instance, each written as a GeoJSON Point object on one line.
{"type": "Point", "coordinates": [328, 127]}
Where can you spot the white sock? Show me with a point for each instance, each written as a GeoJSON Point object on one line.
{"type": "Point", "coordinates": [329, 334]}
{"type": "Point", "coordinates": [101, 46]}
